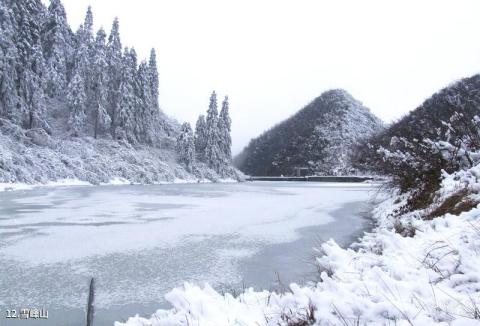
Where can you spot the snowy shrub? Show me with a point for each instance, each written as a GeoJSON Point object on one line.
{"type": "Point", "coordinates": [441, 136]}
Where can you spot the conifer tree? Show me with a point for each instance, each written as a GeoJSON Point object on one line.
{"type": "Point", "coordinates": [186, 146]}
{"type": "Point", "coordinates": [128, 102]}
{"type": "Point", "coordinates": [200, 137]}
{"type": "Point", "coordinates": [224, 127]}
{"type": "Point", "coordinates": [153, 76]}
{"type": "Point", "coordinates": [114, 61]}
{"type": "Point", "coordinates": [57, 48]}
{"type": "Point", "coordinates": [8, 74]}
{"type": "Point", "coordinates": [99, 91]}
{"type": "Point", "coordinates": [76, 99]}
{"type": "Point", "coordinates": [28, 16]}
{"type": "Point", "coordinates": [213, 155]}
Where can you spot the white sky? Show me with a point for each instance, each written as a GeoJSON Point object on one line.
{"type": "Point", "coordinates": [273, 57]}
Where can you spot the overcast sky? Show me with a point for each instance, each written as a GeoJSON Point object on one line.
{"type": "Point", "coordinates": [273, 57]}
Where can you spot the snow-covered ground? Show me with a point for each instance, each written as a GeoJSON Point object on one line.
{"type": "Point", "coordinates": [431, 278]}
{"type": "Point", "coordinates": [115, 181]}
{"type": "Point", "coordinates": [27, 160]}
{"type": "Point", "coordinates": [141, 241]}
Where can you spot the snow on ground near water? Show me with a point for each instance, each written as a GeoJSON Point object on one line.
{"type": "Point", "coordinates": [432, 278]}
{"type": "Point", "coordinates": [132, 218]}
{"type": "Point", "coordinates": [114, 181]}
{"type": "Point", "coordinates": [64, 182]}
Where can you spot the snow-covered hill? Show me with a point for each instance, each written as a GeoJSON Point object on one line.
{"type": "Point", "coordinates": [319, 137]}
{"type": "Point", "coordinates": [79, 105]}
{"type": "Point", "coordinates": [33, 157]}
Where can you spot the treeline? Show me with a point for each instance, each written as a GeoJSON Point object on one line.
{"type": "Point", "coordinates": [440, 136]}
{"type": "Point", "coordinates": [211, 143]}
{"type": "Point", "coordinates": [47, 71]}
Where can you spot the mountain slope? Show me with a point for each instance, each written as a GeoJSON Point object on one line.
{"type": "Point", "coordinates": [320, 137]}
{"type": "Point", "coordinates": [440, 136]}
{"type": "Point", "coordinates": [80, 105]}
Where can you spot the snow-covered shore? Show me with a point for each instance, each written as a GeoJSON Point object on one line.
{"type": "Point", "coordinates": [113, 182]}
{"type": "Point", "coordinates": [28, 161]}
{"type": "Point", "coordinates": [431, 277]}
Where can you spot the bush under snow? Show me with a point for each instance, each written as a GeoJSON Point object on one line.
{"type": "Point", "coordinates": [33, 157]}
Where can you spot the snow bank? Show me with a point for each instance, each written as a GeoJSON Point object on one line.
{"type": "Point", "coordinates": [24, 164]}
{"type": "Point", "coordinates": [58, 183]}
{"type": "Point", "coordinates": [431, 278]}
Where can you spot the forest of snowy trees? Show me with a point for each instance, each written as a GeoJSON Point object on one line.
{"type": "Point", "coordinates": [78, 85]}
{"type": "Point", "coordinates": [211, 143]}
{"type": "Point", "coordinates": [319, 138]}
{"type": "Point", "coordinates": [102, 86]}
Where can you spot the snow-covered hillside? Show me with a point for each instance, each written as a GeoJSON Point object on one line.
{"type": "Point", "coordinates": [33, 157]}
{"type": "Point", "coordinates": [431, 276]}
{"type": "Point", "coordinates": [319, 137]}
{"type": "Point", "coordinates": [79, 105]}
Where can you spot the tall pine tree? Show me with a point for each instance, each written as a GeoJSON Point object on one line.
{"type": "Point", "coordinates": [101, 119]}
{"type": "Point", "coordinates": [8, 73]}
{"type": "Point", "coordinates": [114, 61]}
{"type": "Point", "coordinates": [213, 155]}
{"type": "Point", "coordinates": [186, 146]}
{"type": "Point", "coordinates": [76, 99]}
{"type": "Point", "coordinates": [224, 129]}
{"type": "Point", "coordinates": [200, 137]}
{"type": "Point", "coordinates": [128, 100]}
{"type": "Point", "coordinates": [57, 48]}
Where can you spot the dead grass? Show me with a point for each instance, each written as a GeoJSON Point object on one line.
{"type": "Point", "coordinates": [456, 204]}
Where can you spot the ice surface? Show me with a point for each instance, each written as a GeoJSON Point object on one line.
{"type": "Point", "coordinates": [430, 278]}
{"type": "Point", "coordinates": [141, 241]}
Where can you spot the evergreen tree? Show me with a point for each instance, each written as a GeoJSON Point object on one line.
{"type": "Point", "coordinates": [186, 146]}
{"type": "Point", "coordinates": [99, 91]}
{"type": "Point", "coordinates": [128, 101]}
{"type": "Point", "coordinates": [33, 90]}
{"type": "Point", "coordinates": [57, 48]}
{"type": "Point", "coordinates": [8, 74]}
{"type": "Point", "coordinates": [152, 114]}
{"type": "Point", "coordinates": [143, 112]}
{"type": "Point", "coordinates": [200, 137]}
{"type": "Point", "coordinates": [224, 127]}
{"type": "Point", "coordinates": [153, 76]}
{"type": "Point", "coordinates": [213, 155]}
{"type": "Point", "coordinates": [76, 99]}
{"type": "Point", "coordinates": [28, 16]}
{"type": "Point", "coordinates": [88, 26]}
{"type": "Point", "coordinates": [114, 61]}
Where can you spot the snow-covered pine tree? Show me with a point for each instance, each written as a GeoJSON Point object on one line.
{"type": "Point", "coordinates": [88, 26]}
{"type": "Point", "coordinates": [153, 78]}
{"type": "Point", "coordinates": [57, 48]}
{"type": "Point", "coordinates": [213, 154]}
{"type": "Point", "coordinates": [8, 74]}
{"type": "Point", "coordinates": [224, 128]}
{"type": "Point", "coordinates": [153, 121]}
{"type": "Point", "coordinates": [186, 146]}
{"type": "Point", "coordinates": [143, 114]}
{"type": "Point", "coordinates": [99, 83]}
{"type": "Point", "coordinates": [30, 68]}
{"type": "Point", "coordinates": [34, 90]}
{"type": "Point", "coordinates": [200, 137]}
{"type": "Point", "coordinates": [114, 61]}
{"type": "Point", "coordinates": [128, 100]}
{"type": "Point", "coordinates": [84, 59]}
{"type": "Point", "coordinates": [76, 99]}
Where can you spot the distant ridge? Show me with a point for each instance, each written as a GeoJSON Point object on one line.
{"type": "Point", "coordinates": [318, 138]}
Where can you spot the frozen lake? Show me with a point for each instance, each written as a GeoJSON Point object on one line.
{"type": "Point", "coordinates": [138, 242]}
